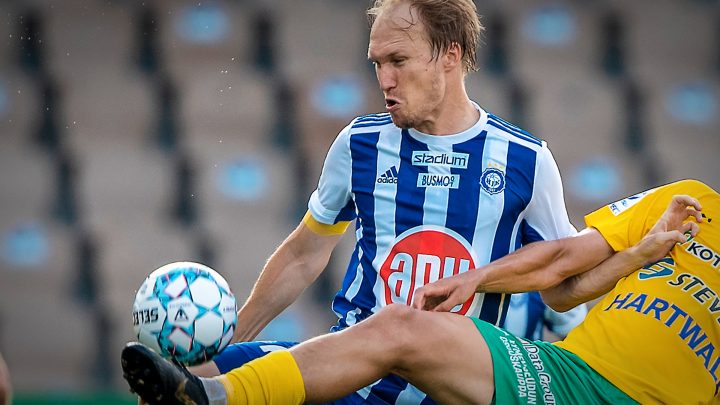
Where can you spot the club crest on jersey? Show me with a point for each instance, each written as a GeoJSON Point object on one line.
{"type": "Point", "coordinates": [422, 255]}
{"type": "Point", "coordinates": [492, 180]}
{"type": "Point", "coordinates": [389, 177]}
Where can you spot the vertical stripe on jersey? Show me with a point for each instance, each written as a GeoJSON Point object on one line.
{"type": "Point", "coordinates": [385, 194]}
{"type": "Point", "coordinates": [347, 313]}
{"type": "Point", "coordinates": [364, 152]}
{"type": "Point", "coordinates": [466, 197]}
{"type": "Point", "coordinates": [435, 207]}
{"type": "Point", "coordinates": [409, 199]}
{"type": "Point", "coordinates": [489, 209]}
{"type": "Point", "coordinates": [519, 179]}
{"type": "Point", "coordinates": [386, 205]}
{"type": "Point", "coordinates": [526, 235]}
{"type": "Point", "coordinates": [388, 389]}
{"type": "Point", "coordinates": [503, 306]}
{"type": "Point", "coordinates": [490, 206]}
{"type": "Point", "coordinates": [519, 176]}
{"type": "Point", "coordinates": [530, 234]}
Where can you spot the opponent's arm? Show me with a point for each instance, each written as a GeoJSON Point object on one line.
{"type": "Point", "coordinates": [581, 259]}
{"type": "Point", "coordinates": [670, 229]}
{"type": "Point", "coordinates": [537, 266]}
{"type": "Point", "coordinates": [591, 284]}
{"type": "Point", "coordinates": [296, 263]}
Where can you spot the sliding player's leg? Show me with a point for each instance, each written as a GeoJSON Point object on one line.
{"type": "Point", "coordinates": [442, 354]}
{"type": "Point", "coordinates": [237, 354]}
{"type": "Point", "coordinates": [452, 358]}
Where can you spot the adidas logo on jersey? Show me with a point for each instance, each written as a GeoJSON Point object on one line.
{"type": "Point", "coordinates": [389, 177]}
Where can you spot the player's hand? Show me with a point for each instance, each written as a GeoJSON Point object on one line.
{"type": "Point", "coordinates": [682, 208]}
{"type": "Point", "coordinates": [677, 224]}
{"type": "Point", "coordinates": [444, 294]}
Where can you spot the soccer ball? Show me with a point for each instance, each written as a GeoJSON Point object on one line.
{"type": "Point", "coordinates": [185, 311]}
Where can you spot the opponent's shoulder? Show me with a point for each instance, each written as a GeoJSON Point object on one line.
{"type": "Point", "coordinates": [500, 127]}
{"type": "Point", "coordinates": [688, 186]}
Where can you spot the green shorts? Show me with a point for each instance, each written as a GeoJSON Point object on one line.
{"type": "Point", "coordinates": [542, 373]}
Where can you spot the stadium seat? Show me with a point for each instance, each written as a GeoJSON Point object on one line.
{"type": "Point", "coordinates": [684, 149]}
{"type": "Point", "coordinates": [45, 331]}
{"type": "Point", "coordinates": [217, 106]}
{"type": "Point", "coordinates": [654, 46]}
{"type": "Point", "coordinates": [580, 117]}
{"type": "Point", "coordinates": [245, 225]}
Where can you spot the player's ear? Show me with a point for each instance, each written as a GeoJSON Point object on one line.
{"type": "Point", "coordinates": [452, 58]}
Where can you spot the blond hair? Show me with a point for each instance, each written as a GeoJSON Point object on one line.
{"type": "Point", "coordinates": [446, 22]}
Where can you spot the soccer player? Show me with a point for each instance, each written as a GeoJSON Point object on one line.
{"type": "Point", "coordinates": [436, 186]}
{"type": "Point", "coordinates": [651, 339]}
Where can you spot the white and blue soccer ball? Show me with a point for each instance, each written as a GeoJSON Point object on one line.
{"type": "Point", "coordinates": [185, 311]}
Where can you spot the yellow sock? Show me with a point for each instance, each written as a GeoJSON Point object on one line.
{"type": "Point", "coordinates": [272, 379]}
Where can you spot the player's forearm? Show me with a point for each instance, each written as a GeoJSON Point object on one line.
{"type": "Point", "coordinates": [593, 283]}
{"type": "Point", "coordinates": [288, 272]}
{"type": "Point", "coordinates": [276, 289]}
{"type": "Point", "coordinates": [523, 270]}
{"type": "Point", "coordinates": [602, 278]}
{"type": "Point", "coordinates": [543, 265]}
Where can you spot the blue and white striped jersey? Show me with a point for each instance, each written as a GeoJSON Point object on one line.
{"type": "Point", "coordinates": [428, 207]}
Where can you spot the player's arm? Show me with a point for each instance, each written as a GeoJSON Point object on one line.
{"type": "Point", "coordinates": [586, 261]}
{"type": "Point", "coordinates": [665, 233]}
{"type": "Point", "coordinates": [591, 284]}
{"type": "Point", "coordinates": [537, 266]}
{"type": "Point", "coordinates": [295, 264]}
{"type": "Point", "coordinates": [299, 260]}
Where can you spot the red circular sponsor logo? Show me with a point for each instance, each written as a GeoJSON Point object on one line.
{"type": "Point", "coordinates": [420, 257]}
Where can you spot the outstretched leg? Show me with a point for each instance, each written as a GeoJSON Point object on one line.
{"type": "Point", "coordinates": [443, 354]}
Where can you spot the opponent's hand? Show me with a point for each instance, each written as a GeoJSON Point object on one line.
{"type": "Point", "coordinates": [679, 220]}
{"type": "Point", "coordinates": [680, 210]}
{"type": "Point", "coordinates": [444, 294]}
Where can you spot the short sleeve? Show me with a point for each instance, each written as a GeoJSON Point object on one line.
{"type": "Point", "coordinates": [546, 216]}
{"type": "Point", "coordinates": [624, 222]}
{"type": "Point", "coordinates": [332, 201]}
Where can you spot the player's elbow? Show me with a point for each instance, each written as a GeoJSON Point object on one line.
{"type": "Point", "coordinates": [568, 261]}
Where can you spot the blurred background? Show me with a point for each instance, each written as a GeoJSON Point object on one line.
{"type": "Point", "coordinates": [133, 134]}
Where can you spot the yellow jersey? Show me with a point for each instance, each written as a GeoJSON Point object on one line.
{"type": "Point", "coordinates": [656, 334]}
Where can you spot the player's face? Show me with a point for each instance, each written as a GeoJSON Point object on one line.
{"type": "Point", "coordinates": [410, 78]}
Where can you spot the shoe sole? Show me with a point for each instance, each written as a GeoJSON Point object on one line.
{"type": "Point", "coordinates": [142, 375]}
